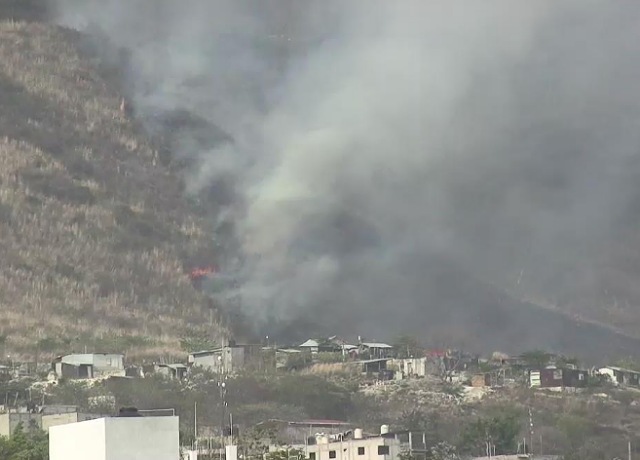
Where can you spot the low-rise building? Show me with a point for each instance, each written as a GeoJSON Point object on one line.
{"type": "Point", "coordinates": [29, 421]}
{"type": "Point", "coordinates": [171, 371]}
{"type": "Point", "coordinates": [621, 376]}
{"type": "Point", "coordinates": [116, 438]}
{"type": "Point", "coordinates": [229, 359]}
{"type": "Point", "coordinates": [356, 444]}
{"type": "Point", "coordinates": [89, 365]}
{"type": "Point", "coordinates": [376, 350]}
{"type": "Point", "coordinates": [51, 420]}
{"type": "Point", "coordinates": [409, 367]}
{"type": "Point", "coordinates": [558, 378]}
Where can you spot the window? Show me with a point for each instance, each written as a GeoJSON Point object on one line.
{"type": "Point", "coordinates": [360, 450]}
{"type": "Point", "coordinates": [332, 454]}
{"type": "Point", "coordinates": [383, 450]}
{"type": "Point", "coordinates": [312, 456]}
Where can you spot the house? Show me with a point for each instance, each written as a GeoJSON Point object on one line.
{"type": "Point", "coordinates": [353, 444]}
{"type": "Point", "coordinates": [88, 366]}
{"type": "Point", "coordinates": [290, 358]}
{"type": "Point", "coordinates": [558, 378]}
{"type": "Point", "coordinates": [229, 359]}
{"type": "Point", "coordinates": [621, 376]}
{"type": "Point", "coordinates": [409, 367]}
{"type": "Point", "coordinates": [171, 371]}
{"type": "Point", "coordinates": [320, 346]}
{"type": "Point", "coordinates": [373, 368]}
{"type": "Point", "coordinates": [376, 350]}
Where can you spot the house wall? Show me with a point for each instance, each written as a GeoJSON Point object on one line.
{"type": "Point", "coordinates": [49, 421]}
{"type": "Point", "coordinates": [9, 422]}
{"type": "Point", "coordinates": [410, 367]}
{"type": "Point", "coordinates": [551, 378]}
{"type": "Point", "coordinates": [574, 378]}
{"type": "Point", "coordinates": [103, 364]}
{"type": "Point", "coordinates": [117, 438]}
{"type": "Point", "coordinates": [348, 450]}
{"type": "Point", "coordinates": [233, 360]}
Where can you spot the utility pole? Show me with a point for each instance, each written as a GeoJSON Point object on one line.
{"type": "Point", "coordinates": [530, 432]}
{"type": "Point", "coordinates": [629, 450]}
{"type": "Point", "coordinates": [195, 423]}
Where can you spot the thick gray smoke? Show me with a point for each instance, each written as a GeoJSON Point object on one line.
{"type": "Point", "coordinates": [380, 155]}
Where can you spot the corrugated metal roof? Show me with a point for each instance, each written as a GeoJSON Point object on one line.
{"type": "Point", "coordinates": [376, 345]}
{"type": "Point", "coordinates": [620, 369]}
{"type": "Point", "coordinates": [309, 343]}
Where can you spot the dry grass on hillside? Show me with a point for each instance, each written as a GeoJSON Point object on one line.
{"type": "Point", "coordinates": [93, 230]}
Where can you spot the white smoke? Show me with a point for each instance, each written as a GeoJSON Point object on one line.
{"type": "Point", "coordinates": [500, 135]}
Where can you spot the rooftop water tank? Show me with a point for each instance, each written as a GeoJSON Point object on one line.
{"type": "Point", "coordinates": [357, 433]}
{"type": "Point", "coordinates": [384, 429]}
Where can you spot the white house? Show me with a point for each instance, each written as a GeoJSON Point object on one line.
{"type": "Point", "coordinates": [356, 445]}
{"type": "Point", "coordinates": [409, 367]}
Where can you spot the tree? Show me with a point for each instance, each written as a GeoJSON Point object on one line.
{"type": "Point", "coordinates": [407, 346]}
{"type": "Point", "coordinates": [536, 359]}
{"type": "Point", "coordinates": [443, 451]}
{"type": "Point", "coordinates": [501, 430]}
{"type": "Point", "coordinates": [33, 445]}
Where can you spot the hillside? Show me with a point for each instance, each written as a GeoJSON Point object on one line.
{"type": "Point", "coordinates": [95, 237]}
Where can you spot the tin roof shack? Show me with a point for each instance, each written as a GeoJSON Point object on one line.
{"type": "Point", "coordinates": [621, 376]}
{"type": "Point", "coordinates": [373, 368]}
{"type": "Point", "coordinates": [292, 359]}
{"type": "Point", "coordinates": [375, 350]}
{"type": "Point", "coordinates": [320, 346]}
{"type": "Point", "coordinates": [169, 371]}
{"type": "Point", "coordinates": [558, 378]}
{"type": "Point", "coordinates": [88, 366]}
{"type": "Point", "coordinates": [230, 359]}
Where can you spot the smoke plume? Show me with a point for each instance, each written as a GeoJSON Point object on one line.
{"type": "Point", "coordinates": [388, 166]}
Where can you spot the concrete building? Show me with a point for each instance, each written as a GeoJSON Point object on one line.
{"type": "Point", "coordinates": [355, 445]}
{"type": "Point", "coordinates": [409, 367]}
{"type": "Point", "coordinates": [169, 371]}
{"type": "Point", "coordinates": [28, 420]}
{"type": "Point", "coordinates": [116, 438]}
{"type": "Point", "coordinates": [88, 366]}
{"type": "Point", "coordinates": [51, 420]}
{"type": "Point", "coordinates": [230, 359]}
